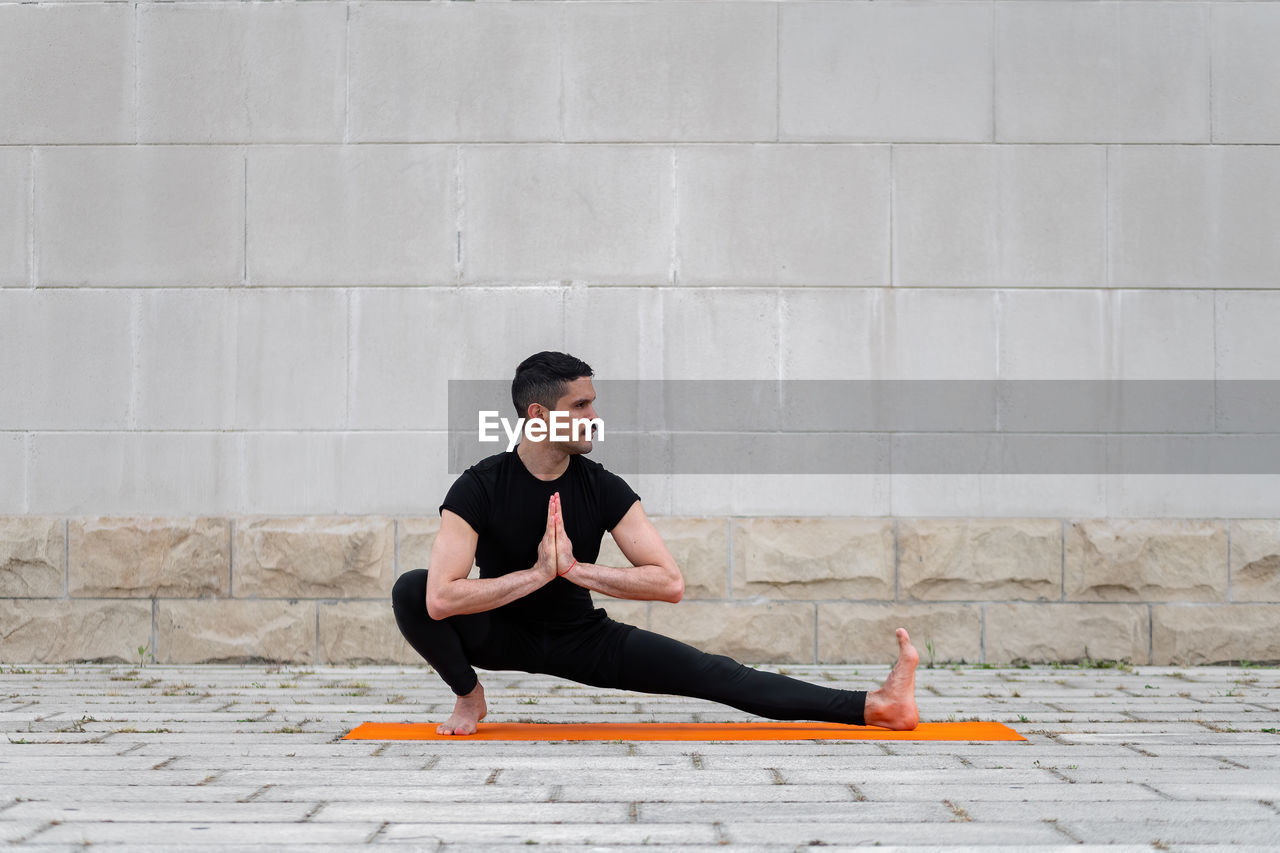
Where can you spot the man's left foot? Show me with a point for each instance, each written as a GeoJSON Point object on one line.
{"type": "Point", "coordinates": [893, 706]}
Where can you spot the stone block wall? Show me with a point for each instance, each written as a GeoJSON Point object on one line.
{"type": "Point", "coordinates": [245, 246]}
{"type": "Point", "coordinates": [783, 590]}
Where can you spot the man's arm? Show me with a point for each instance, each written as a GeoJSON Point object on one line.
{"type": "Point", "coordinates": [451, 593]}
{"type": "Point", "coordinates": [654, 575]}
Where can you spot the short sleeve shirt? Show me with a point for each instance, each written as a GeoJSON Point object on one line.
{"type": "Point", "coordinates": [507, 507]}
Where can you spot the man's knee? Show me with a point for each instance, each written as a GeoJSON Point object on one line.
{"type": "Point", "coordinates": [409, 595]}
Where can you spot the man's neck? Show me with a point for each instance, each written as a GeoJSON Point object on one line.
{"type": "Point", "coordinates": [543, 459]}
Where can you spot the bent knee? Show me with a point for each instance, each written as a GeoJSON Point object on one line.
{"type": "Point", "coordinates": [410, 591]}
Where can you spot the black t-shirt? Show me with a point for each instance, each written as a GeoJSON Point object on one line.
{"type": "Point", "coordinates": [507, 507]}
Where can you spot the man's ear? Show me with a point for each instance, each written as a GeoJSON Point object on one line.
{"type": "Point", "coordinates": [535, 412]}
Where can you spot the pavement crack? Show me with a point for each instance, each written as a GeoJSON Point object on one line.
{"type": "Point", "coordinates": [858, 796]}
{"type": "Point", "coordinates": [10, 804]}
{"type": "Point", "coordinates": [1053, 822]}
{"type": "Point", "coordinates": [431, 763]}
{"type": "Point", "coordinates": [134, 748]}
{"type": "Point", "coordinates": [959, 812]}
{"type": "Point", "coordinates": [1229, 762]}
{"type": "Point", "coordinates": [163, 764]}
{"type": "Point", "coordinates": [312, 813]}
{"type": "Point", "coordinates": [557, 791]}
{"type": "Point", "coordinates": [697, 760]}
{"type": "Point", "coordinates": [966, 762]}
{"type": "Point", "coordinates": [255, 794]}
{"type": "Point", "coordinates": [49, 824]}
{"type": "Point", "coordinates": [722, 837]}
{"type": "Point", "coordinates": [777, 777]}
{"type": "Point", "coordinates": [1057, 774]}
{"type": "Point", "coordinates": [1153, 789]}
{"type": "Point", "coordinates": [380, 749]}
{"type": "Point", "coordinates": [1138, 750]}
{"type": "Point", "coordinates": [378, 832]}
{"type": "Point", "coordinates": [886, 749]}
{"type": "Point", "coordinates": [633, 812]}
{"type": "Point", "coordinates": [493, 777]}
{"type": "Point", "coordinates": [213, 777]}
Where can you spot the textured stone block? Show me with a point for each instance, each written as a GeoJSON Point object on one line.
{"type": "Point", "coordinates": [141, 473]}
{"type": "Point", "coordinates": [291, 359]}
{"type": "Point", "coordinates": [1246, 344]}
{"type": "Point", "coordinates": [1102, 72]}
{"type": "Point", "coordinates": [351, 215]}
{"type": "Point", "coordinates": [885, 71]}
{"type": "Point", "coordinates": [864, 633]}
{"type": "Point", "coordinates": [37, 631]}
{"type": "Point", "coordinates": [33, 557]}
{"type": "Point", "coordinates": [241, 72]}
{"type": "Point", "coordinates": [186, 363]}
{"type": "Point", "coordinates": [748, 632]}
{"type": "Point", "coordinates": [416, 537]}
{"type": "Point", "coordinates": [140, 216]}
{"type": "Point", "coordinates": [1047, 334]}
{"type": "Point", "coordinates": [66, 73]}
{"type": "Point", "coordinates": [292, 473]}
{"type": "Point", "coordinates": [451, 71]}
{"type": "Point", "coordinates": [15, 217]}
{"type": "Point", "coordinates": [212, 631]}
{"type": "Point", "coordinates": [1164, 334]}
{"type": "Point", "coordinates": [1246, 72]}
{"type": "Point", "coordinates": [1146, 560]}
{"type": "Point", "coordinates": [663, 71]}
{"type": "Point", "coordinates": [540, 213]}
{"type": "Point", "coordinates": [65, 360]}
{"type": "Point", "coordinates": [400, 370]}
{"type": "Point", "coordinates": [813, 558]}
{"type": "Point", "coordinates": [1011, 215]}
{"type": "Point", "coordinates": [700, 548]}
{"type": "Point", "coordinates": [721, 333]}
{"type": "Point", "coordinates": [149, 557]}
{"type": "Point", "coordinates": [1255, 560]}
{"type": "Point", "coordinates": [1195, 216]}
{"type": "Point", "coordinates": [958, 326]}
{"type": "Point", "coordinates": [314, 557]}
{"type": "Point", "coordinates": [969, 559]}
{"type": "Point", "coordinates": [783, 214]}
{"type": "Point", "coordinates": [362, 632]}
{"type": "Point", "coordinates": [1041, 633]}
{"type": "Point", "coordinates": [1188, 634]}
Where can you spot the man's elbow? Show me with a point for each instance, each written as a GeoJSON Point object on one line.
{"type": "Point", "coordinates": [675, 589]}
{"type": "Point", "coordinates": [437, 607]}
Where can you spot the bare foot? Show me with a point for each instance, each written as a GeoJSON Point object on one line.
{"type": "Point", "coordinates": [467, 711]}
{"type": "Point", "coordinates": [893, 706]}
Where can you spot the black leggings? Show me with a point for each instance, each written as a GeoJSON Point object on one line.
{"type": "Point", "coordinates": [605, 653]}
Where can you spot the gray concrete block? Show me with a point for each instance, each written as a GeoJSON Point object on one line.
{"type": "Point", "coordinates": [291, 368]}
{"type": "Point", "coordinates": [939, 334]}
{"type": "Point", "coordinates": [396, 473]}
{"type": "Point", "coordinates": [65, 360]}
{"type": "Point", "coordinates": [542, 213]}
{"type": "Point", "coordinates": [186, 362]}
{"type": "Point", "coordinates": [784, 214]}
{"type": "Point", "coordinates": [1246, 73]}
{"type": "Point", "coordinates": [1067, 72]}
{"type": "Point", "coordinates": [892, 72]}
{"type": "Point", "coordinates": [466, 72]}
{"type": "Point", "coordinates": [1055, 334]}
{"type": "Point", "coordinates": [1192, 495]}
{"type": "Point", "coordinates": [131, 473]}
{"type": "Point", "coordinates": [1194, 216]}
{"type": "Point", "coordinates": [632, 320]}
{"type": "Point", "coordinates": [353, 215]}
{"type": "Point", "coordinates": [720, 334]}
{"type": "Point", "coordinates": [67, 70]}
{"type": "Point", "coordinates": [13, 470]}
{"type": "Point", "coordinates": [404, 355]}
{"type": "Point", "coordinates": [1246, 346]}
{"type": "Point", "coordinates": [1163, 334]}
{"type": "Point", "coordinates": [291, 473]}
{"type": "Point", "coordinates": [1010, 215]}
{"type": "Point", "coordinates": [241, 73]}
{"type": "Point", "coordinates": [831, 333]}
{"type": "Point", "coordinates": [670, 71]}
{"type": "Point", "coordinates": [115, 216]}
{"type": "Point", "coordinates": [15, 217]}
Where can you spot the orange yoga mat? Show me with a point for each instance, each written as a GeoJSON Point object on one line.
{"type": "Point", "coordinates": [686, 731]}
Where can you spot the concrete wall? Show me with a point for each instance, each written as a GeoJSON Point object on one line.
{"type": "Point", "coordinates": [243, 247]}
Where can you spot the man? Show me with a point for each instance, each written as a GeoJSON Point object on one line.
{"type": "Point", "coordinates": [532, 519]}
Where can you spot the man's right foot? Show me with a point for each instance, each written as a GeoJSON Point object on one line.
{"type": "Point", "coordinates": [893, 706]}
{"type": "Point", "coordinates": [467, 711]}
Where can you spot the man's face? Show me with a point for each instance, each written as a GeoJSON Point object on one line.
{"type": "Point", "coordinates": [578, 402]}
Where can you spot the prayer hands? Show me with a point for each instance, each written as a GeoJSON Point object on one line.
{"type": "Point", "coordinates": [546, 565]}
{"type": "Point", "coordinates": [564, 548]}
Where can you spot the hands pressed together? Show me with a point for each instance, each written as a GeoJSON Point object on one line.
{"type": "Point", "coordinates": [555, 551]}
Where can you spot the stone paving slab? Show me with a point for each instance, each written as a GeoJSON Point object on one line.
{"type": "Point", "coordinates": [251, 758]}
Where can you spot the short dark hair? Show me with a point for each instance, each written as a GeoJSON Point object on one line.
{"type": "Point", "coordinates": [543, 378]}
